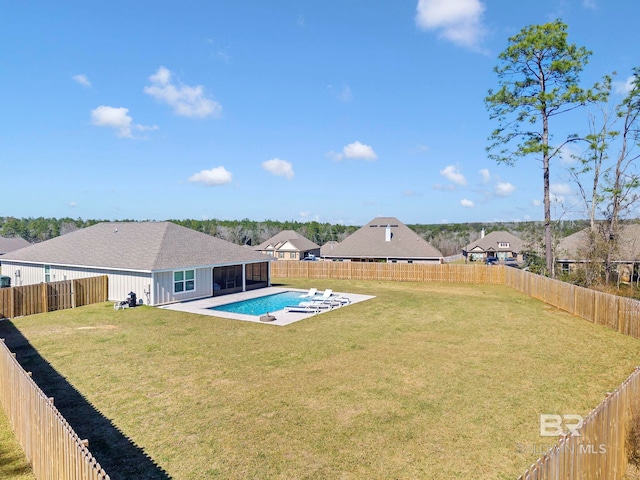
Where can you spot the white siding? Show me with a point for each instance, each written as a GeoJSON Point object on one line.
{"type": "Point", "coordinates": [163, 290]}
{"type": "Point", "coordinates": [120, 283]}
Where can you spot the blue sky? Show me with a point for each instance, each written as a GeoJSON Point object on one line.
{"type": "Point", "coordinates": [335, 111]}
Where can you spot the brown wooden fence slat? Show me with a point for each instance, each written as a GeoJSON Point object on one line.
{"type": "Point", "coordinates": [49, 297]}
{"type": "Point", "coordinates": [50, 444]}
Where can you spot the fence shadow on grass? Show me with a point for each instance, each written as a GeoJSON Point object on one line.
{"type": "Point", "coordinates": [118, 455]}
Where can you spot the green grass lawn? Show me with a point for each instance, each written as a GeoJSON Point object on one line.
{"type": "Point", "coordinates": [13, 464]}
{"type": "Point", "coordinates": [433, 381]}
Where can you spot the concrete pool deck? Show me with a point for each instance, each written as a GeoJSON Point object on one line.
{"type": "Point", "coordinates": [202, 306]}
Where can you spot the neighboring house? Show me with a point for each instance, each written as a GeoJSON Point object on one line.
{"type": "Point", "coordinates": [160, 262]}
{"type": "Point", "coordinates": [500, 245]}
{"type": "Point", "coordinates": [9, 244]}
{"type": "Point", "coordinates": [568, 252]}
{"type": "Point", "coordinates": [384, 239]}
{"type": "Point", "coordinates": [327, 248]}
{"type": "Point", "coordinates": [289, 245]}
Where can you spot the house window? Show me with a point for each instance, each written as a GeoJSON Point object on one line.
{"type": "Point", "coordinates": [564, 267]}
{"type": "Point", "coordinates": [292, 255]}
{"type": "Point", "coordinates": [184, 281]}
{"type": "Point", "coordinates": [280, 254]}
{"type": "Point", "coordinates": [503, 244]}
{"type": "Point", "coordinates": [47, 273]}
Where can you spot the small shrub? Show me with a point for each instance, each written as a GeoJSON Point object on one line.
{"type": "Point", "coordinates": [633, 437]}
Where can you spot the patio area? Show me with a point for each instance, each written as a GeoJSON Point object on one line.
{"type": "Point", "coordinates": [282, 318]}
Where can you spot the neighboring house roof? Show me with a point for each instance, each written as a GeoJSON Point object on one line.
{"type": "Point", "coordinates": [327, 248]}
{"type": "Point", "coordinates": [371, 241]}
{"type": "Point", "coordinates": [145, 246]}
{"type": "Point", "coordinates": [9, 244]}
{"type": "Point", "coordinates": [299, 242]}
{"type": "Point", "coordinates": [499, 241]}
{"type": "Point", "coordinates": [628, 244]}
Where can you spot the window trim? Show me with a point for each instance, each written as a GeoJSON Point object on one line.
{"type": "Point", "coordinates": [184, 282]}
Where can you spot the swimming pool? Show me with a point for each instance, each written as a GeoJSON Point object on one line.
{"type": "Point", "coordinates": [262, 305]}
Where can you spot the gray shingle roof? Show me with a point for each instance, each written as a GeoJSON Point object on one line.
{"type": "Point", "coordinates": [145, 246]}
{"type": "Point", "coordinates": [491, 242]}
{"type": "Point", "coordinates": [369, 242]}
{"type": "Point", "coordinates": [9, 244]}
{"type": "Point", "coordinates": [629, 244]}
{"type": "Point", "coordinates": [298, 241]}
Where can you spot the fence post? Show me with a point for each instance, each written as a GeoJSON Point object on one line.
{"type": "Point", "coordinates": [45, 299]}
{"type": "Point", "coordinates": [12, 306]}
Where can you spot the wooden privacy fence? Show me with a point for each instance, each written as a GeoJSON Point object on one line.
{"type": "Point", "coordinates": [598, 451]}
{"type": "Point", "coordinates": [619, 313]}
{"type": "Point", "coordinates": [51, 446]}
{"type": "Point", "coordinates": [48, 297]}
{"type": "Point", "coordinates": [404, 272]}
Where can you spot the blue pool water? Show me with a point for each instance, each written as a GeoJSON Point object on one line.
{"type": "Point", "coordinates": [262, 305]}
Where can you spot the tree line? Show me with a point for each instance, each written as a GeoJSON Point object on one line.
{"type": "Point", "coordinates": [449, 238]}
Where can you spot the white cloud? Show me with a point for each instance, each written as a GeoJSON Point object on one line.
{"type": "Point", "coordinates": [343, 94]}
{"type": "Point", "coordinates": [186, 101]}
{"type": "Point", "coordinates": [484, 173]}
{"type": "Point", "coordinates": [82, 80]}
{"type": "Point", "coordinates": [113, 117]}
{"type": "Point", "coordinates": [536, 203]}
{"type": "Point", "coordinates": [451, 172]}
{"type": "Point", "coordinates": [459, 21]}
{"type": "Point", "coordinates": [504, 189]}
{"type": "Point", "coordinates": [117, 118]}
{"type": "Point", "coordinates": [559, 191]}
{"type": "Point", "coordinates": [215, 176]}
{"type": "Point", "coordinates": [279, 167]}
{"type": "Point", "coordinates": [590, 4]}
{"type": "Point", "coordinates": [623, 88]}
{"type": "Point", "coordinates": [355, 151]}
{"type": "Point", "coordinates": [568, 154]}
{"type": "Point", "coordinates": [146, 128]}
{"type": "Point", "coordinates": [560, 188]}
{"type": "Point", "coordinates": [466, 203]}
{"type": "Point", "coordinates": [419, 149]}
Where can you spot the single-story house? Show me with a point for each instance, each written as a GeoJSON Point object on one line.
{"type": "Point", "coordinates": [9, 244]}
{"type": "Point", "coordinates": [160, 262]}
{"type": "Point", "coordinates": [289, 245]}
{"type": "Point", "coordinates": [627, 258]}
{"type": "Point", "coordinates": [499, 244]}
{"type": "Point", "coordinates": [384, 239]}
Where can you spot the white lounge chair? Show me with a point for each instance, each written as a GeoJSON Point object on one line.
{"type": "Point", "coordinates": [311, 293]}
{"type": "Point", "coordinates": [342, 301]}
{"type": "Point", "coordinates": [326, 294]}
{"type": "Point", "coordinates": [318, 304]}
{"type": "Point", "coordinates": [302, 308]}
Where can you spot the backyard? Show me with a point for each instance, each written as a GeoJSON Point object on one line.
{"type": "Point", "coordinates": [427, 380]}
